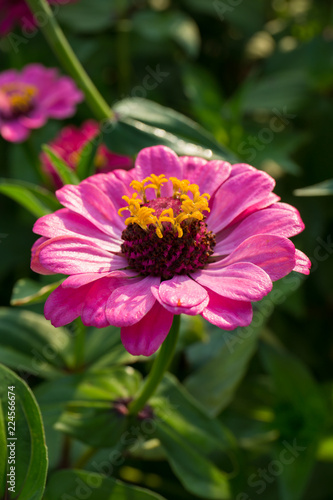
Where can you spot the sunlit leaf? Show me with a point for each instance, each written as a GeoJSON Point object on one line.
{"type": "Point", "coordinates": [322, 189]}
{"type": "Point", "coordinates": [31, 345]}
{"type": "Point", "coordinates": [142, 123]}
{"type": "Point", "coordinates": [86, 165]}
{"type": "Point", "coordinates": [27, 291]}
{"type": "Point", "coordinates": [66, 174]}
{"type": "Point", "coordinates": [37, 200]}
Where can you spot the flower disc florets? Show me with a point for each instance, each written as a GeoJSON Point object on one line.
{"type": "Point", "coordinates": [166, 236]}
{"type": "Point", "coordinates": [16, 99]}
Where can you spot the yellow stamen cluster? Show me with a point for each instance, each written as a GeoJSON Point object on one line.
{"type": "Point", "coordinates": [19, 95]}
{"type": "Point", "coordinates": [192, 208]}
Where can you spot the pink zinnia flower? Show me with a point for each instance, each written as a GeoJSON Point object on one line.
{"type": "Point", "coordinates": [69, 144]}
{"type": "Point", "coordinates": [29, 98]}
{"type": "Point", "coordinates": [14, 12]}
{"type": "Point", "coordinates": [201, 238]}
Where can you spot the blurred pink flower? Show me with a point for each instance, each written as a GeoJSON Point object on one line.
{"type": "Point", "coordinates": [14, 12]}
{"type": "Point", "coordinates": [179, 251]}
{"type": "Point", "coordinates": [69, 144]}
{"type": "Point", "coordinates": [29, 98]}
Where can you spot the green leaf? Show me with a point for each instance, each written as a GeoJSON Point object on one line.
{"type": "Point", "coordinates": [73, 484]}
{"type": "Point", "coordinates": [322, 189]}
{"type": "Point", "coordinates": [86, 165]}
{"type": "Point", "coordinates": [29, 343]}
{"type": "Point", "coordinates": [27, 291]}
{"type": "Point", "coordinates": [142, 123]}
{"type": "Point", "coordinates": [176, 407]}
{"type": "Point", "coordinates": [37, 200]}
{"type": "Point", "coordinates": [283, 92]}
{"type": "Point", "coordinates": [30, 448]}
{"type": "Point", "coordinates": [66, 174]}
{"type": "Point", "coordinates": [77, 393]}
{"type": "Point", "coordinates": [198, 475]}
{"type": "Point", "coordinates": [301, 414]}
{"type": "Point", "coordinates": [214, 383]}
{"type": "Point", "coordinates": [191, 440]}
{"type": "Point", "coordinates": [90, 416]}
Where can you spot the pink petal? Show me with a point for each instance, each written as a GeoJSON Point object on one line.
{"type": "Point", "coordinates": [63, 306]}
{"type": "Point", "coordinates": [226, 313]}
{"type": "Point", "coordinates": [67, 255]}
{"type": "Point", "coordinates": [241, 168]}
{"type": "Point", "coordinates": [77, 280]}
{"type": "Point", "coordinates": [90, 202]}
{"type": "Point", "coordinates": [159, 160]}
{"type": "Point", "coordinates": [35, 119]}
{"type": "Point", "coordinates": [241, 281]}
{"type": "Point", "coordinates": [35, 72]}
{"type": "Point", "coordinates": [113, 187]}
{"type": "Point", "coordinates": [280, 219]}
{"type": "Point", "coordinates": [182, 295]}
{"type": "Point", "coordinates": [35, 265]}
{"type": "Point", "coordinates": [270, 200]}
{"type": "Point", "coordinates": [274, 254]}
{"type": "Point", "coordinates": [208, 175]}
{"type": "Point", "coordinates": [94, 307]}
{"type": "Point", "coordinates": [146, 336]}
{"type": "Point", "coordinates": [130, 303]}
{"type": "Point", "coordinates": [236, 195]}
{"type": "Point", "coordinates": [14, 131]}
{"type": "Point", "coordinates": [61, 98]}
{"type": "Point", "coordinates": [303, 263]}
{"type": "Point", "coordinates": [10, 75]}
{"type": "Point", "coordinates": [64, 222]}
{"type": "Point", "coordinates": [126, 177]}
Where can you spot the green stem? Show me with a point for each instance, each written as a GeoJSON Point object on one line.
{"type": "Point", "coordinates": [68, 59]}
{"type": "Point", "coordinates": [161, 364]}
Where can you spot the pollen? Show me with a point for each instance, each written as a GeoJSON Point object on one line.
{"type": "Point", "coordinates": [191, 205]}
{"type": "Point", "coordinates": [166, 235]}
{"type": "Point", "coordinates": [17, 98]}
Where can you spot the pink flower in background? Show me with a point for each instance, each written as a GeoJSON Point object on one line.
{"type": "Point", "coordinates": [200, 237]}
{"type": "Point", "coordinates": [69, 144]}
{"type": "Point", "coordinates": [29, 98]}
{"type": "Point", "coordinates": [14, 12]}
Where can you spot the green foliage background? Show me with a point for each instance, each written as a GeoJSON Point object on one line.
{"type": "Point", "coordinates": [258, 77]}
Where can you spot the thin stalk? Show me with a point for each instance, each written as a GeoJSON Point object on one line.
{"type": "Point", "coordinates": [60, 46]}
{"type": "Point", "coordinates": [161, 364]}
